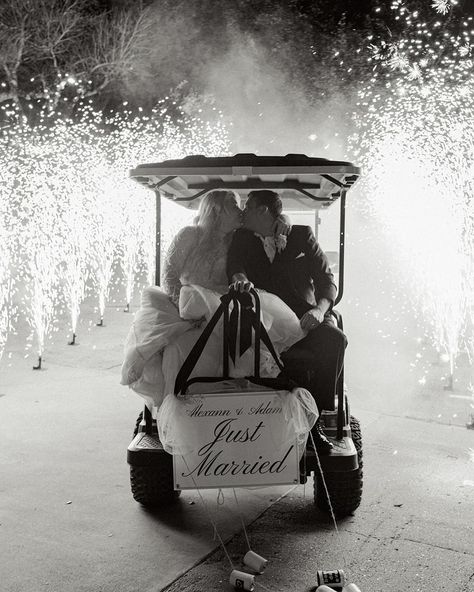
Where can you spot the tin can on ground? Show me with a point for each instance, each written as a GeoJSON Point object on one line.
{"type": "Point", "coordinates": [351, 588]}
{"type": "Point", "coordinates": [255, 562]}
{"type": "Point", "coordinates": [335, 579]}
{"type": "Point", "coordinates": [242, 581]}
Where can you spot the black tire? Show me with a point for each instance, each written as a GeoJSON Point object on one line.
{"type": "Point", "coordinates": [152, 485]}
{"type": "Point", "coordinates": [344, 488]}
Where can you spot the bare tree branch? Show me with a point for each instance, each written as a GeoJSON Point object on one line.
{"type": "Point", "coordinates": [118, 42]}
{"type": "Point", "coordinates": [50, 49]}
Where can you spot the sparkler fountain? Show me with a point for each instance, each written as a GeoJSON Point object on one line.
{"type": "Point", "coordinates": [41, 261]}
{"type": "Point", "coordinates": [65, 189]}
{"type": "Point", "coordinates": [5, 285]}
{"type": "Point", "coordinates": [34, 205]}
{"type": "Point", "coordinates": [130, 260]}
{"type": "Point", "coordinates": [78, 191]}
{"type": "Point", "coordinates": [75, 267]}
{"type": "Point", "coordinates": [415, 141]}
{"type": "Point", "coordinates": [6, 263]}
{"type": "Point", "coordinates": [106, 241]}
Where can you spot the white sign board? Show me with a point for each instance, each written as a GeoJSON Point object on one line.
{"type": "Point", "coordinates": [242, 442]}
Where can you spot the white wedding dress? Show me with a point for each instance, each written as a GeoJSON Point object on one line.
{"type": "Point", "coordinates": [169, 322]}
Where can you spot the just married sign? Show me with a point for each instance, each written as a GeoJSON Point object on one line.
{"type": "Point", "coordinates": [238, 440]}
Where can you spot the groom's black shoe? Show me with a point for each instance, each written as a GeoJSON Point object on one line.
{"type": "Point", "coordinates": [323, 445]}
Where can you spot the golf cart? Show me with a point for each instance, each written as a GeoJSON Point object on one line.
{"type": "Point", "coordinates": [305, 184]}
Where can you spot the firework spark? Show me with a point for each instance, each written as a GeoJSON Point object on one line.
{"type": "Point", "coordinates": [70, 216]}
{"type": "Point", "coordinates": [415, 141]}
{"type": "Point", "coordinates": [443, 6]}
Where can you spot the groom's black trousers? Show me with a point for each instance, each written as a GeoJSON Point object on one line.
{"type": "Point", "coordinates": [316, 361]}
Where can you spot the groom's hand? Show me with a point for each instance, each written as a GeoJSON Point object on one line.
{"type": "Point", "coordinates": [312, 319]}
{"type": "Point", "coordinates": [240, 283]}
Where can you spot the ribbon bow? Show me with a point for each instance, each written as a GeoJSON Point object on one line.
{"type": "Point", "coordinates": [241, 316]}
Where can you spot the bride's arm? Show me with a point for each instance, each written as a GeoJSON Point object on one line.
{"type": "Point", "coordinates": [175, 259]}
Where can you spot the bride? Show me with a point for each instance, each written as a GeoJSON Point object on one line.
{"type": "Point", "coordinates": [170, 320]}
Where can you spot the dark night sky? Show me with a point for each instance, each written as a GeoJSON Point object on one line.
{"type": "Point", "coordinates": [356, 11]}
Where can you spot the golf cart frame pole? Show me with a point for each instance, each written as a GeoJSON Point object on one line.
{"type": "Point", "coordinates": [342, 237]}
{"type": "Point", "coordinates": [147, 415]}
{"type": "Point", "coordinates": [340, 381]}
{"type": "Point", "coordinates": [157, 237]}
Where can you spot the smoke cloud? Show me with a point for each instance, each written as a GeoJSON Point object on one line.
{"type": "Point", "coordinates": [262, 85]}
{"type": "Point", "coordinates": [267, 112]}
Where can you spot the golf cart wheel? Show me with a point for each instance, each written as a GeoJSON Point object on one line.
{"type": "Point", "coordinates": [345, 487]}
{"type": "Point", "coordinates": [152, 484]}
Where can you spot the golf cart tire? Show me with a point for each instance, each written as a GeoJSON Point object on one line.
{"type": "Point", "coordinates": [344, 487]}
{"type": "Point", "coordinates": [152, 484]}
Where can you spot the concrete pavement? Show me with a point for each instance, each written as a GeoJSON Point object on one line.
{"type": "Point", "coordinates": [68, 521]}
{"type": "Point", "coordinates": [413, 531]}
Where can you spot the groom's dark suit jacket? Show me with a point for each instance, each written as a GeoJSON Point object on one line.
{"type": "Point", "coordinates": [299, 275]}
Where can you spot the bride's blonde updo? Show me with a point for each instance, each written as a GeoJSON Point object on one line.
{"type": "Point", "coordinates": [210, 209]}
{"type": "Point", "coordinates": [211, 241]}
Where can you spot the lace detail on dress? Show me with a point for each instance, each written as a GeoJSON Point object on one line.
{"type": "Point", "coordinates": [181, 268]}
{"type": "Point", "coordinates": [211, 272]}
{"type": "Point", "coordinates": [179, 250]}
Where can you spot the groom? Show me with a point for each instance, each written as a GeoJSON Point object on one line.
{"type": "Point", "coordinates": [300, 275]}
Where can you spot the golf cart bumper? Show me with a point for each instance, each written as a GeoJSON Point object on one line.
{"type": "Point", "coordinates": [342, 458]}
{"type": "Point", "coordinates": [146, 450]}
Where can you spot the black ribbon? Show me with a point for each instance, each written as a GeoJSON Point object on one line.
{"type": "Point", "coordinates": [242, 317]}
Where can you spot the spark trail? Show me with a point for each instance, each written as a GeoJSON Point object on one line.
{"type": "Point", "coordinates": [71, 217]}
{"type": "Point", "coordinates": [415, 141]}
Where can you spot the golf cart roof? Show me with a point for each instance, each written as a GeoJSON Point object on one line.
{"type": "Point", "coordinates": [303, 182]}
